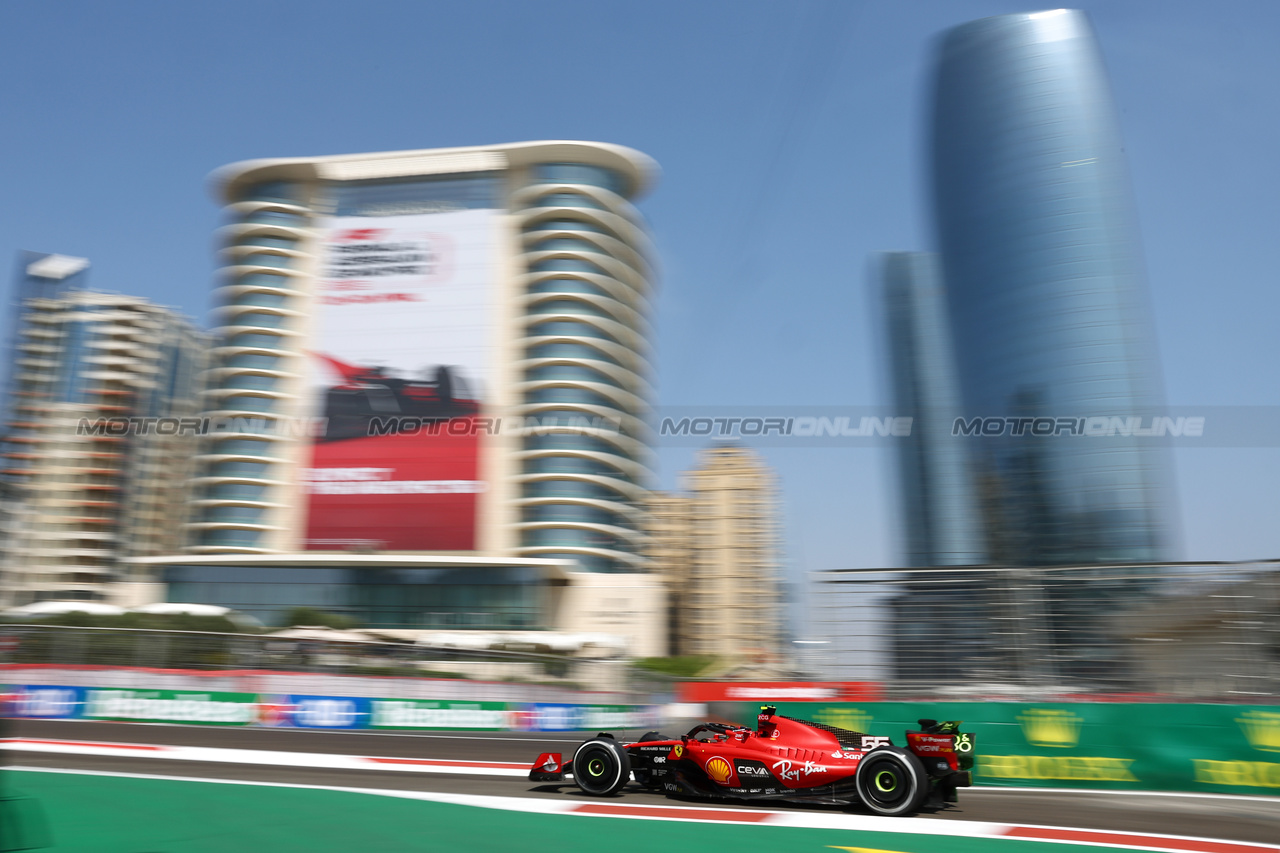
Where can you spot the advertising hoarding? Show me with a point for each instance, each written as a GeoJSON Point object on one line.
{"type": "Point", "coordinates": [171, 706]}
{"type": "Point", "coordinates": [420, 714]}
{"type": "Point", "coordinates": [564, 717]}
{"type": "Point", "coordinates": [47, 702]}
{"type": "Point", "coordinates": [314, 712]}
{"type": "Point", "coordinates": [400, 365]}
{"type": "Point", "coordinates": [780, 691]}
{"type": "Point", "coordinates": [1228, 749]}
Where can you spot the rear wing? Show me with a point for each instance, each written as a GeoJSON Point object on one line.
{"type": "Point", "coordinates": [943, 742]}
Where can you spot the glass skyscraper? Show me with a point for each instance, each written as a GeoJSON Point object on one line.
{"type": "Point", "coordinates": [941, 514]}
{"type": "Point", "coordinates": [1046, 291]}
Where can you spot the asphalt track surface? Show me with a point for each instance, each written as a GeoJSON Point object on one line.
{"type": "Point", "coordinates": [1211, 816]}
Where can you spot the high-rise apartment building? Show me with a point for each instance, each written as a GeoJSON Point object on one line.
{"type": "Point", "coordinates": [432, 372]}
{"type": "Point", "coordinates": [84, 503]}
{"type": "Point", "coordinates": [717, 547]}
{"type": "Point", "coordinates": [670, 553]}
{"type": "Point", "coordinates": [426, 304]}
{"type": "Point", "coordinates": [1046, 291]}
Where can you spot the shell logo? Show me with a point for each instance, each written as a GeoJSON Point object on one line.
{"type": "Point", "coordinates": [719, 770]}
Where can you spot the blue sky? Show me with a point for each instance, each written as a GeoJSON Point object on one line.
{"type": "Point", "coordinates": [790, 140]}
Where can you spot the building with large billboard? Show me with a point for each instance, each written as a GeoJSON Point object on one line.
{"type": "Point", "coordinates": [84, 503]}
{"type": "Point", "coordinates": [1046, 292]}
{"type": "Point", "coordinates": [439, 354]}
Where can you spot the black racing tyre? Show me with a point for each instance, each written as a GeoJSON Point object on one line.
{"type": "Point", "coordinates": [444, 385]}
{"type": "Point", "coordinates": [601, 767]}
{"type": "Point", "coordinates": [892, 781]}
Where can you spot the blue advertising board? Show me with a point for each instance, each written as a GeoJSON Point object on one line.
{"type": "Point", "coordinates": [557, 717]}
{"type": "Point", "coordinates": [317, 712]}
{"type": "Point", "coordinates": [49, 703]}
{"type": "Point", "coordinates": [547, 718]}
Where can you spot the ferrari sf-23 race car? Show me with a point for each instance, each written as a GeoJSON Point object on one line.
{"type": "Point", "coordinates": [783, 759]}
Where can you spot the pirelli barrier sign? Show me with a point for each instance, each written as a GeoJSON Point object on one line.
{"type": "Point", "coordinates": [1233, 749]}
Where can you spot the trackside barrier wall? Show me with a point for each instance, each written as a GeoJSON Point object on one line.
{"type": "Point", "coordinates": [318, 712]}
{"type": "Point", "coordinates": [1149, 746]}
{"type": "Point", "coordinates": [316, 684]}
{"type": "Point", "coordinates": [1228, 749]}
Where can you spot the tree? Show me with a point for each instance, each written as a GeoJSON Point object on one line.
{"type": "Point", "coordinates": [682, 666]}
{"type": "Point", "coordinates": [311, 616]}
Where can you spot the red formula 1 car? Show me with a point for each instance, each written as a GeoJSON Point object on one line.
{"type": "Point", "coordinates": [783, 759]}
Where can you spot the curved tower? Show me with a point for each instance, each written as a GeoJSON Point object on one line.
{"type": "Point", "coordinates": [583, 359]}
{"type": "Point", "coordinates": [342, 280]}
{"type": "Point", "coordinates": [245, 503]}
{"type": "Point", "coordinates": [1046, 291]}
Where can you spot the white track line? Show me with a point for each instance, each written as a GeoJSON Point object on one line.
{"type": "Point", "coordinates": [467, 768]}
{"type": "Point", "coordinates": [268, 757]}
{"type": "Point", "coordinates": [1119, 792]}
{"type": "Point", "coordinates": [795, 819]}
{"type": "Point", "coordinates": [577, 737]}
{"type": "Point", "coordinates": [329, 761]}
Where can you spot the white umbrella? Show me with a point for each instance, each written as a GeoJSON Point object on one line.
{"type": "Point", "coordinates": [169, 608]}
{"type": "Point", "coordinates": [459, 639]}
{"type": "Point", "coordinates": [173, 608]}
{"type": "Point", "coordinates": [57, 608]}
{"type": "Point", "coordinates": [321, 634]}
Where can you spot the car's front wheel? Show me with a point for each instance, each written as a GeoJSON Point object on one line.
{"type": "Point", "coordinates": [601, 767]}
{"type": "Point", "coordinates": [892, 781]}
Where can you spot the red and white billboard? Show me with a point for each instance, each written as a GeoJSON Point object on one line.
{"type": "Point", "coordinates": [400, 363]}
{"type": "Point", "coordinates": [780, 691]}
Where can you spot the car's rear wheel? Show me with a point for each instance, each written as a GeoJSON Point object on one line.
{"type": "Point", "coordinates": [892, 781]}
{"type": "Point", "coordinates": [601, 767]}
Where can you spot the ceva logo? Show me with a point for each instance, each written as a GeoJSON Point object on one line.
{"type": "Point", "coordinates": [1050, 727]}
{"type": "Point", "coordinates": [1262, 728]}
